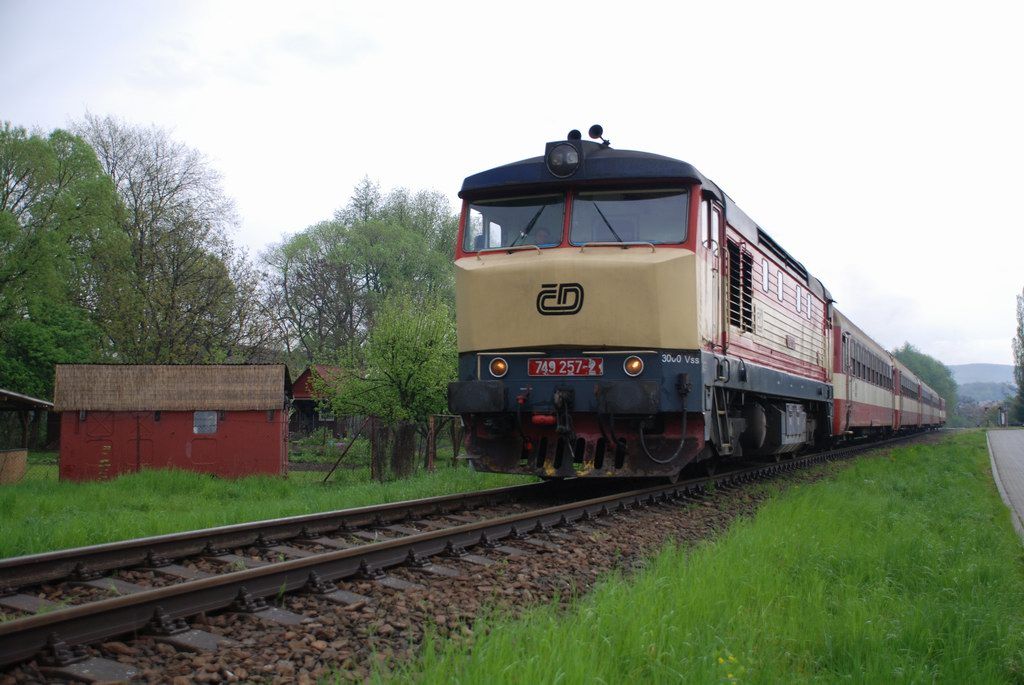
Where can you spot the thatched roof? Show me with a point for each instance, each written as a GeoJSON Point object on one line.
{"type": "Point", "coordinates": [122, 387]}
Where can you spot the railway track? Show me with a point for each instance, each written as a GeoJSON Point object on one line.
{"type": "Point", "coordinates": [306, 553]}
{"type": "Point", "coordinates": [88, 561]}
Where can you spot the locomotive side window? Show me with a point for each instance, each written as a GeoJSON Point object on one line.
{"type": "Point", "coordinates": [705, 223]}
{"type": "Point", "coordinates": [650, 216]}
{"type": "Point", "coordinates": [764, 276]}
{"type": "Point", "coordinates": [514, 221]}
{"type": "Point", "coordinates": [475, 229]}
{"type": "Point", "coordinates": [781, 288]}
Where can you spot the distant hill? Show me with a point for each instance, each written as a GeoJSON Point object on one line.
{"type": "Point", "coordinates": [987, 392]}
{"type": "Point", "coordinates": [982, 373]}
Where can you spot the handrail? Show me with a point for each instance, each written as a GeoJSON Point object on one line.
{"type": "Point", "coordinates": [624, 245]}
{"type": "Point", "coordinates": [509, 250]}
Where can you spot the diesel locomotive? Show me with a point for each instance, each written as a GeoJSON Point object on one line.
{"type": "Point", "coordinates": [619, 315]}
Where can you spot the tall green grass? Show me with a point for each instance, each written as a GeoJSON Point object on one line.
{"type": "Point", "coordinates": [40, 515]}
{"type": "Point", "coordinates": [904, 568]}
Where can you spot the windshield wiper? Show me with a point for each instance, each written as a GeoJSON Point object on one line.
{"type": "Point", "coordinates": [529, 227]}
{"type": "Point", "coordinates": [606, 222]}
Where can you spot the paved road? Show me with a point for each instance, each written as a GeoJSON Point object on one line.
{"type": "Point", "coordinates": [1007, 450]}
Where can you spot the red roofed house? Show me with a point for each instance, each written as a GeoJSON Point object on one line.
{"type": "Point", "coordinates": [308, 411]}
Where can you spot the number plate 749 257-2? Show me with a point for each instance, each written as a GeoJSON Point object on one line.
{"type": "Point", "coordinates": [566, 366]}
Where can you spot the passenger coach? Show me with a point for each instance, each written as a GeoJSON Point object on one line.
{"type": "Point", "coordinates": [619, 315]}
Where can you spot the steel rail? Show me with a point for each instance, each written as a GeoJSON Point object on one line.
{"type": "Point", "coordinates": [25, 637]}
{"type": "Point", "coordinates": [48, 566]}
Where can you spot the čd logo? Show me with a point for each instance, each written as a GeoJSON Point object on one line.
{"type": "Point", "coordinates": [556, 299]}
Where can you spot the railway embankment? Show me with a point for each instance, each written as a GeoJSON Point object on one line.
{"type": "Point", "coordinates": [903, 567]}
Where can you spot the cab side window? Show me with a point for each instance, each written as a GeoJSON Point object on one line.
{"type": "Point", "coordinates": [705, 219]}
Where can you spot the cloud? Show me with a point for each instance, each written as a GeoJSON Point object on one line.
{"type": "Point", "coordinates": [341, 48]}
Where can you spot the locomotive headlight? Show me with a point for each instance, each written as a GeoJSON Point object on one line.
{"type": "Point", "coordinates": [563, 159]}
{"type": "Point", "coordinates": [499, 367]}
{"type": "Point", "coordinates": [633, 366]}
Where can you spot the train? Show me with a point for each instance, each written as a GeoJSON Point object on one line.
{"type": "Point", "coordinates": [618, 315]}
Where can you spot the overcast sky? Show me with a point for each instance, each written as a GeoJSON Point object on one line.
{"type": "Point", "coordinates": [879, 143]}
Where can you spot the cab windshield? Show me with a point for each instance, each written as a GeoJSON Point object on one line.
{"type": "Point", "coordinates": [511, 222]}
{"type": "Point", "coordinates": [648, 216]}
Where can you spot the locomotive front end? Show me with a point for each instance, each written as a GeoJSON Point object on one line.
{"type": "Point", "coordinates": [578, 304]}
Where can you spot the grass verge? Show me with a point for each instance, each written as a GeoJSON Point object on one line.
{"type": "Point", "coordinates": [903, 568]}
{"type": "Point", "coordinates": [44, 514]}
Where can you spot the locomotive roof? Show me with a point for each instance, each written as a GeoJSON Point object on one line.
{"type": "Point", "coordinates": [603, 164]}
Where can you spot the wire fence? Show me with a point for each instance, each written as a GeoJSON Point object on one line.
{"type": "Point", "coordinates": [437, 443]}
{"type": "Point", "coordinates": [20, 466]}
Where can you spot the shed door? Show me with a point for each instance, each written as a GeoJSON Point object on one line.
{"type": "Point", "coordinates": [98, 455]}
{"type": "Point", "coordinates": [139, 443]}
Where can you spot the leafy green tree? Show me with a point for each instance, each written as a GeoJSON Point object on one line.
{"type": "Point", "coordinates": [364, 204]}
{"type": "Point", "coordinates": [51, 333]}
{"type": "Point", "coordinates": [388, 256]}
{"type": "Point", "coordinates": [406, 241]}
{"type": "Point", "coordinates": [428, 213]}
{"type": "Point", "coordinates": [318, 300]}
{"type": "Point", "coordinates": [1017, 412]}
{"type": "Point", "coordinates": [931, 371]}
{"type": "Point", "coordinates": [186, 294]}
{"type": "Point", "coordinates": [58, 246]}
{"type": "Point", "coordinates": [326, 282]}
{"type": "Point", "coordinates": [407, 361]}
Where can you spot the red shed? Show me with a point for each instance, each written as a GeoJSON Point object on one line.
{"type": "Point", "coordinates": [228, 420]}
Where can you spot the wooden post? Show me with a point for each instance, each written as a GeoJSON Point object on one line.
{"type": "Point", "coordinates": [431, 441]}
{"type": "Point", "coordinates": [456, 433]}
{"type": "Point", "coordinates": [23, 415]}
{"type": "Point", "coordinates": [375, 449]}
